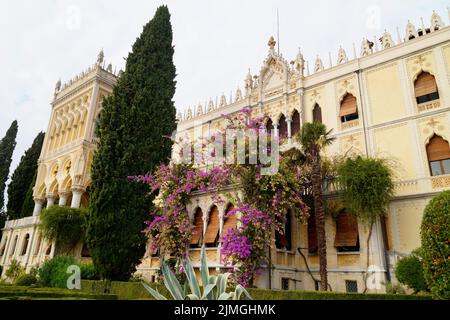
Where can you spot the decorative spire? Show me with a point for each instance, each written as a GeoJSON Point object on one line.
{"type": "Point", "coordinates": [210, 105]}
{"type": "Point", "coordinates": [199, 110]}
{"type": "Point", "coordinates": [342, 56]}
{"type": "Point", "coordinates": [366, 47]}
{"type": "Point", "coordinates": [386, 40]}
{"type": "Point", "coordinates": [109, 68]}
{"type": "Point", "coordinates": [238, 95]}
{"type": "Point", "coordinates": [223, 101]}
{"type": "Point", "coordinates": [318, 65]}
{"type": "Point", "coordinates": [248, 83]}
{"type": "Point", "coordinates": [299, 62]}
{"type": "Point", "coordinates": [436, 22]}
{"type": "Point", "coordinates": [189, 113]}
{"type": "Point", "coordinates": [410, 32]}
{"type": "Point", "coordinates": [58, 86]}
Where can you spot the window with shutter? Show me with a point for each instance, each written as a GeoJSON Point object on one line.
{"type": "Point", "coordinates": [295, 124]}
{"type": "Point", "coordinates": [283, 129]}
{"type": "Point", "coordinates": [349, 108]}
{"type": "Point", "coordinates": [197, 233]}
{"type": "Point", "coordinates": [312, 233]}
{"type": "Point", "coordinates": [284, 240]}
{"type": "Point", "coordinates": [425, 88]}
{"type": "Point", "coordinates": [347, 238]}
{"type": "Point", "coordinates": [438, 153]}
{"type": "Point", "coordinates": [230, 222]}
{"type": "Point", "coordinates": [212, 232]}
{"type": "Point", "coordinates": [317, 113]}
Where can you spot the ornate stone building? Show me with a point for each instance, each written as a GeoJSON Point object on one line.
{"type": "Point", "coordinates": [64, 164]}
{"type": "Point", "coordinates": [392, 99]}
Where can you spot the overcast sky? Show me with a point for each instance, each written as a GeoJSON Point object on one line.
{"type": "Point", "coordinates": [215, 43]}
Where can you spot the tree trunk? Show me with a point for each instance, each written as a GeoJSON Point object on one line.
{"type": "Point", "coordinates": [316, 179]}
{"type": "Point", "coordinates": [369, 235]}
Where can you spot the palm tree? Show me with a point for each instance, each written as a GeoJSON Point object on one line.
{"type": "Point", "coordinates": [313, 138]}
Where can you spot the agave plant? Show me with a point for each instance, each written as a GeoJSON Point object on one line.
{"type": "Point", "coordinates": [214, 287]}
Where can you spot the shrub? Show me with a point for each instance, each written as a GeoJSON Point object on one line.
{"type": "Point", "coordinates": [64, 225]}
{"type": "Point", "coordinates": [409, 271]}
{"type": "Point", "coordinates": [435, 235]}
{"type": "Point", "coordinates": [26, 280]}
{"type": "Point", "coordinates": [88, 272]}
{"type": "Point", "coordinates": [14, 270]}
{"type": "Point", "coordinates": [394, 289]}
{"type": "Point", "coordinates": [54, 272]}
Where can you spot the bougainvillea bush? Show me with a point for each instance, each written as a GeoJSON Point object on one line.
{"type": "Point", "coordinates": [261, 207]}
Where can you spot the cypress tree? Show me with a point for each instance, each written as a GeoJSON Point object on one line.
{"type": "Point", "coordinates": [22, 178]}
{"type": "Point", "coordinates": [132, 132]}
{"type": "Point", "coordinates": [28, 202]}
{"type": "Point", "coordinates": [7, 146]}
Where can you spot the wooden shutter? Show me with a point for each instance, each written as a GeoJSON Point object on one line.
{"type": "Point", "coordinates": [295, 124]}
{"type": "Point", "coordinates": [317, 113]}
{"type": "Point", "coordinates": [346, 230]}
{"type": "Point", "coordinates": [438, 149]}
{"type": "Point", "coordinates": [281, 240]}
{"type": "Point", "coordinates": [198, 226]}
{"type": "Point", "coordinates": [213, 227]}
{"type": "Point", "coordinates": [230, 222]}
{"type": "Point", "coordinates": [283, 129]}
{"type": "Point", "coordinates": [348, 106]}
{"type": "Point", "coordinates": [312, 233]}
{"type": "Point", "coordinates": [425, 84]}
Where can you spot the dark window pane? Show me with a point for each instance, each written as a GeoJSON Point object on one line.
{"type": "Point", "coordinates": [351, 286]}
{"type": "Point", "coordinates": [435, 168]}
{"type": "Point", "coordinates": [428, 97]}
{"type": "Point", "coordinates": [446, 166]}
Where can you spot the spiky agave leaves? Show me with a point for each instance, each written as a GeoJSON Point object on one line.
{"type": "Point", "coordinates": [214, 287]}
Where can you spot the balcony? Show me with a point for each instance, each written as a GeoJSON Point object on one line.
{"type": "Point", "coordinates": [22, 223]}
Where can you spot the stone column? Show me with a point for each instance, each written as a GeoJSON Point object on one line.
{"type": "Point", "coordinates": [50, 200]}
{"type": "Point", "coordinates": [76, 197]}
{"type": "Point", "coordinates": [289, 122]}
{"type": "Point", "coordinates": [275, 129]}
{"type": "Point", "coordinates": [37, 206]}
{"type": "Point", "coordinates": [63, 196]}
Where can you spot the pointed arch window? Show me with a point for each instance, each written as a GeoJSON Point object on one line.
{"type": "Point", "coordinates": [317, 113]}
{"type": "Point", "coordinates": [295, 124]}
{"type": "Point", "coordinates": [312, 234]}
{"type": "Point", "coordinates": [284, 240]}
{"type": "Point", "coordinates": [197, 233]}
{"type": "Point", "coordinates": [438, 153]}
{"type": "Point", "coordinates": [230, 222]}
{"type": "Point", "coordinates": [425, 88]}
{"type": "Point", "coordinates": [283, 128]}
{"type": "Point", "coordinates": [38, 245]}
{"type": "Point", "coordinates": [269, 126]}
{"type": "Point", "coordinates": [349, 108]}
{"type": "Point", "coordinates": [211, 238]}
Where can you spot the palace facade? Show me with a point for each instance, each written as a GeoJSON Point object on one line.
{"type": "Point", "coordinates": [392, 99]}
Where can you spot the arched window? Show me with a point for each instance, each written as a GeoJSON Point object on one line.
{"type": "Point", "coordinates": [438, 152]}
{"type": "Point", "coordinates": [295, 124]}
{"type": "Point", "coordinates": [284, 240]}
{"type": "Point", "coordinates": [425, 88]}
{"type": "Point", "coordinates": [317, 113]}
{"type": "Point", "coordinates": [13, 248]}
{"type": "Point", "coordinates": [49, 250]}
{"type": "Point", "coordinates": [283, 129]}
{"type": "Point", "coordinates": [269, 126]}
{"type": "Point", "coordinates": [3, 248]}
{"type": "Point", "coordinates": [38, 246]}
{"type": "Point", "coordinates": [212, 231]}
{"type": "Point", "coordinates": [197, 233]}
{"type": "Point", "coordinates": [312, 233]}
{"type": "Point", "coordinates": [347, 237]}
{"type": "Point", "coordinates": [26, 239]}
{"type": "Point", "coordinates": [229, 222]}
{"type": "Point", "coordinates": [349, 108]}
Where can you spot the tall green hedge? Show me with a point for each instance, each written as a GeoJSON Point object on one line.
{"type": "Point", "coordinates": [435, 236]}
